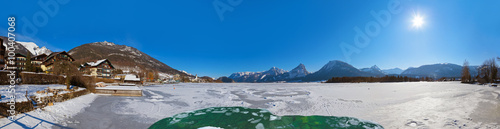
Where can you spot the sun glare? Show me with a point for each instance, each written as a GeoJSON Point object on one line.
{"type": "Point", "coordinates": [418, 21]}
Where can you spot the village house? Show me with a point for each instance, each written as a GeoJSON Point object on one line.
{"type": "Point", "coordinates": [38, 60]}
{"type": "Point", "coordinates": [47, 64]}
{"type": "Point", "coordinates": [101, 68]}
{"type": "Point", "coordinates": [20, 60]}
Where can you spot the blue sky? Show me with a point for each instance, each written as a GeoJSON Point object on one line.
{"type": "Point", "coordinates": [257, 35]}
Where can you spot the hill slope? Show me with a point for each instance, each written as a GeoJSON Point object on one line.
{"type": "Point", "coordinates": [121, 56]}
{"type": "Point", "coordinates": [435, 71]}
{"type": "Point", "coordinates": [393, 71]}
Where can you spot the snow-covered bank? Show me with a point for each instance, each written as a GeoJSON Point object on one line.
{"type": "Point", "coordinates": [20, 91]}
{"type": "Point", "coordinates": [393, 105]}
{"type": "Point", "coordinates": [51, 116]}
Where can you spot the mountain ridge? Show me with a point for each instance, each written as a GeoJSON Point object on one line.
{"type": "Point", "coordinates": [34, 49]}
{"type": "Point", "coordinates": [122, 56]}
{"type": "Point", "coordinates": [336, 68]}
{"type": "Point", "coordinates": [374, 70]}
{"type": "Point", "coordinates": [393, 71]}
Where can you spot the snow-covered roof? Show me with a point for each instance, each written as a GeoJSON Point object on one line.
{"type": "Point", "coordinates": [131, 77]}
{"type": "Point", "coordinates": [96, 63]}
{"type": "Point", "coordinates": [119, 88]}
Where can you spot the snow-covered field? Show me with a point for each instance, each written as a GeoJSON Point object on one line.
{"type": "Point", "coordinates": [393, 105]}
{"type": "Point", "coordinates": [20, 91]}
{"type": "Point", "coordinates": [50, 117]}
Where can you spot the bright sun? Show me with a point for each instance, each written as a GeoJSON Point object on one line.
{"type": "Point", "coordinates": [418, 21]}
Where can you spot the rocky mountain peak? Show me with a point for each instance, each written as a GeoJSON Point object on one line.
{"type": "Point", "coordinates": [375, 67]}
{"type": "Point", "coordinates": [299, 71]}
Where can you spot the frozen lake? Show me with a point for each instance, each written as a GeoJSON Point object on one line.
{"type": "Point", "coordinates": [392, 105]}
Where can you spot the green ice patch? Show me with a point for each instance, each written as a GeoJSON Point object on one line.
{"type": "Point", "coordinates": [245, 118]}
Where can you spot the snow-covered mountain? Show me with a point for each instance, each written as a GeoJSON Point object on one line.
{"type": "Point", "coordinates": [34, 49]}
{"type": "Point", "coordinates": [299, 71]}
{"type": "Point", "coordinates": [393, 71]}
{"type": "Point", "coordinates": [245, 76]}
{"type": "Point", "coordinates": [300, 74]}
{"type": "Point", "coordinates": [272, 75]}
{"type": "Point", "coordinates": [338, 68]}
{"type": "Point", "coordinates": [334, 68]}
{"type": "Point", "coordinates": [274, 71]}
{"type": "Point", "coordinates": [294, 75]}
{"type": "Point", "coordinates": [257, 76]}
{"type": "Point", "coordinates": [374, 70]}
{"type": "Point", "coordinates": [19, 48]}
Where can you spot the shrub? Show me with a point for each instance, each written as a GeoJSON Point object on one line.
{"type": "Point", "coordinates": [41, 78]}
{"type": "Point", "coordinates": [106, 80]}
{"type": "Point", "coordinates": [83, 81]}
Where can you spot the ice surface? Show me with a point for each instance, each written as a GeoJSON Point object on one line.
{"type": "Point", "coordinates": [392, 105]}
{"type": "Point", "coordinates": [209, 127]}
{"type": "Point", "coordinates": [260, 121]}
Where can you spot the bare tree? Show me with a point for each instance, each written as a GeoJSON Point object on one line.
{"type": "Point", "coordinates": [489, 70]}
{"type": "Point", "coordinates": [67, 69]}
{"type": "Point", "coordinates": [117, 71]}
{"type": "Point", "coordinates": [28, 66]}
{"type": "Point", "coordinates": [466, 77]}
{"type": "Point", "coordinates": [494, 70]}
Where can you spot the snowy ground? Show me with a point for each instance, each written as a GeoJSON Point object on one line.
{"type": "Point", "coordinates": [20, 91]}
{"type": "Point", "coordinates": [50, 117]}
{"type": "Point", "coordinates": [393, 105]}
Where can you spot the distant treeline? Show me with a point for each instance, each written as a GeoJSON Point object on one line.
{"type": "Point", "coordinates": [377, 79]}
